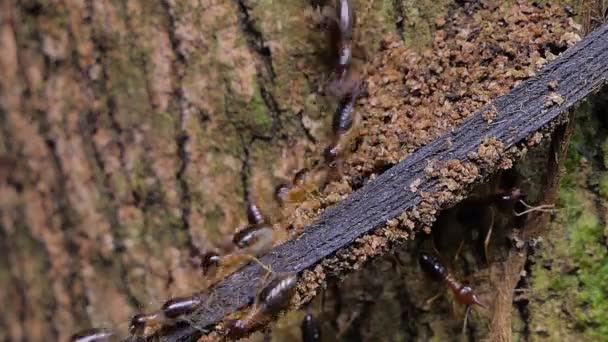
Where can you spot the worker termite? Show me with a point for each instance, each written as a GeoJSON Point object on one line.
{"type": "Point", "coordinates": [271, 299]}
{"type": "Point", "coordinates": [170, 311]}
{"type": "Point", "coordinates": [464, 294]}
{"type": "Point", "coordinates": [343, 120]}
{"type": "Point", "coordinates": [311, 331]}
{"type": "Point", "coordinates": [92, 335]}
{"type": "Point", "coordinates": [345, 23]}
{"type": "Point", "coordinates": [248, 243]}
{"type": "Point", "coordinates": [282, 190]}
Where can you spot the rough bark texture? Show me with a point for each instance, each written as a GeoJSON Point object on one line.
{"type": "Point", "coordinates": [129, 131]}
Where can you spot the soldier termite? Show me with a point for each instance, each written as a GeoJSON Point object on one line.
{"type": "Point", "coordinates": [464, 294]}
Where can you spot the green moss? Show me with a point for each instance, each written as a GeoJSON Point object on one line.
{"type": "Point", "coordinates": [585, 251]}
{"type": "Point", "coordinates": [419, 17]}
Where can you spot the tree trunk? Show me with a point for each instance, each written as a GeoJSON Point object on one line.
{"type": "Point", "coordinates": [132, 131]}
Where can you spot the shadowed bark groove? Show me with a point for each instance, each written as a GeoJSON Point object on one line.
{"type": "Point", "coordinates": [522, 112]}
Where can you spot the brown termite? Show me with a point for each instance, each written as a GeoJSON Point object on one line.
{"type": "Point", "coordinates": [92, 335]}
{"type": "Point", "coordinates": [343, 120]}
{"type": "Point", "coordinates": [172, 309]}
{"type": "Point", "coordinates": [255, 239]}
{"type": "Point", "coordinates": [282, 190]}
{"type": "Point", "coordinates": [311, 331]}
{"type": "Point", "coordinates": [271, 299]}
{"type": "Point", "coordinates": [210, 262]}
{"type": "Point", "coordinates": [346, 21]}
{"type": "Point", "coordinates": [464, 294]}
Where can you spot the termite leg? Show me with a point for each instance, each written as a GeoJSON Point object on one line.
{"type": "Point", "coordinates": [544, 208]}
{"type": "Point", "coordinates": [459, 250]}
{"type": "Point", "coordinates": [464, 323]}
{"type": "Point", "coordinates": [486, 241]}
{"type": "Point", "coordinates": [430, 301]}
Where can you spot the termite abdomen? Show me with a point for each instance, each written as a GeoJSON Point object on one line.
{"type": "Point", "coordinates": [92, 335]}
{"type": "Point", "coordinates": [138, 324]}
{"type": "Point", "coordinates": [280, 192]}
{"type": "Point", "coordinates": [176, 307]}
{"type": "Point", "coordinates": [432, 267]}
{"type": "Point", "coordinates": [210, 262]}
{"type": "Point", "coordinates": [311, 331]}
{"type": "Point", "coordinates": [343, 118]}
{"type": "Point", "coordinates": [255, 239]}
{"type": "Point", "coordinates": [254, 214]}
{"type": "Point", "coordinates": [275, 295]}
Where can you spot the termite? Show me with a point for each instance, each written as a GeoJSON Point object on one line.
{"type": "Point", "coordinates": [343, 120]}
{"type": "Point", "coordinates": [210, 262]}
{"type": "Point", "coordinates": [311, 331]}
{"type": "Point", "coordinates": [272, 299]}
{"type": "Point", "coordinates": [282, 190]}
{"type": "Point", "coordinates": [464, 294]}
{"type": "Point", "coordinates": [346, 22]}
{"type": "Point", "coordinates": [92, 335]}
{"type": "Point", "coordinates": [171, 310]}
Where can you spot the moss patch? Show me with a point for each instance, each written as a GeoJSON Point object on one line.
{"type": "Point", "coordinates": [570, 273]}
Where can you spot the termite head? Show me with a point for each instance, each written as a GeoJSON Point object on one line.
{"type": "Point", "coordinates": [176, 307]}
{"type": "Point", "coordinates": [468, 297]}
{"type": "Point", "coordinates": [92, 335]}
{"type": "Point", "coordinates": [277, 293]}
{"type": "Point", "coordinates": [210, 262]}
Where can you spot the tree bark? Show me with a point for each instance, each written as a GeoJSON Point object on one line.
{"type": "Point", "coordinates": [131, 131]}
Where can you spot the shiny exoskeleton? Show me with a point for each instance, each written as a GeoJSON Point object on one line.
{"type": "Point", "coordinates": [346, 21]}
{"type": "Point", "coordinates": [272, 299]}
{"type": "Point", "coordinates": [310, 328]}
{"type": "Point", "coordinates": [92, 335]}
{"type": "Point", "coordinates": [342, 122]}
{"type": "Point", "coordinates": [210, 262]}
{"type": "Point", "coordinates": [172, 309]}
{"type": "Point", "coordinates": [282, 190]}
{"type": "Point", "coordinates": [464, 294]}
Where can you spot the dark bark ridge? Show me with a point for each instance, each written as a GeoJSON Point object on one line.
{"type": "Point", "coordinates": [580, 71]}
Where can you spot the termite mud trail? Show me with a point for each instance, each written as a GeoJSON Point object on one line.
{"type": "Point", "coordinates": [574, 75]}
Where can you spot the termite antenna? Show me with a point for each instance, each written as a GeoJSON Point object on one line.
{"type": "Point", "coordinates": [543, 208]}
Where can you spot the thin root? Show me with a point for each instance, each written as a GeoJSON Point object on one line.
{"type": "Point", "coordinates": [544, 208]}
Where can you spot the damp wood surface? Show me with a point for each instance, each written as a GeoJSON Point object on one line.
{"type": "Point", "coordinates": [523, 112]}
